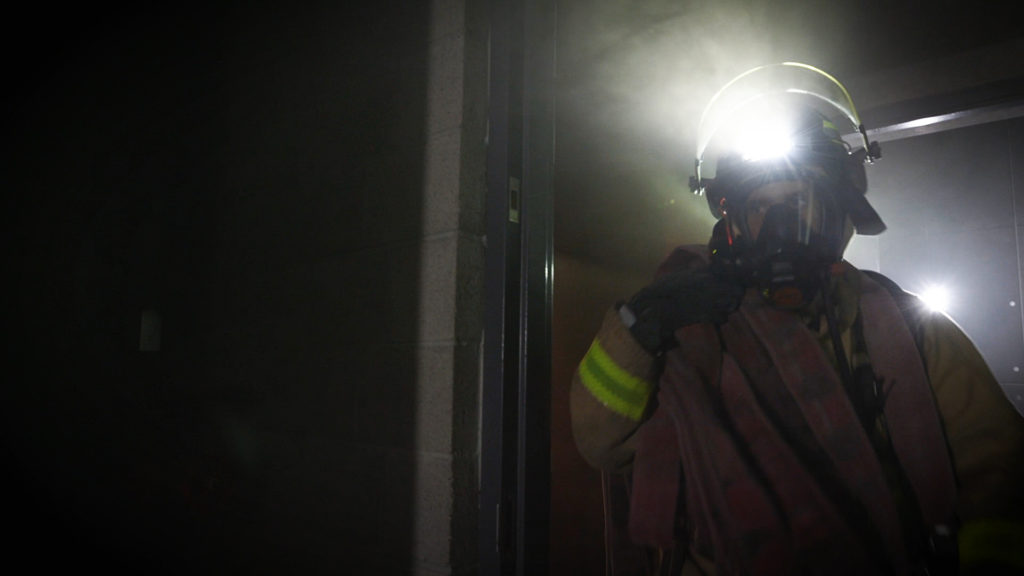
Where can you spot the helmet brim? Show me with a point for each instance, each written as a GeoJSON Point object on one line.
{"type": "Point", "coordinates": [866, 220]}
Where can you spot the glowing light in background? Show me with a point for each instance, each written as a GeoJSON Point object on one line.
{"type": "Point", "coordinates": [937, 298]}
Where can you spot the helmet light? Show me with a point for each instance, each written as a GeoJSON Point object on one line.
{"type": "Point", "coordinates": [765, 140]}
{"type": "Point", "coordinates": [760, 93]}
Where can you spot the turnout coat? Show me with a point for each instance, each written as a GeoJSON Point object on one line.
{"type": "Point", "coordinates": [747, 454]}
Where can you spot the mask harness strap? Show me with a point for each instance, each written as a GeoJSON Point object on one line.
{"type": "Point", "coordinates": [833, 330]}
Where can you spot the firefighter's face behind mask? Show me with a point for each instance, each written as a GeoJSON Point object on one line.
{"type": "Point", "coordinates": [789, 231]}
{"type": "Point", "coordinates": [787, 208]}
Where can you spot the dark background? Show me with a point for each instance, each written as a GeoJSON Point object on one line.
{"type": "Point", "coordinates": [253, 173]}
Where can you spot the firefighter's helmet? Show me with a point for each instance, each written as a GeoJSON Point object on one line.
{"type": "Point", "coordinates": [774, 165]}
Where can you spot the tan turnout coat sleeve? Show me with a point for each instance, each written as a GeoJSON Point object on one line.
{"type": "Point", "coordinates": [610, 396]}
{"type": "Point", "coordinates": [986, 438]}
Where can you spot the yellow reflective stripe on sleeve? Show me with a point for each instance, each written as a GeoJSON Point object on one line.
{"type": "Point", "coordinates": [988, 542]}
{"type": "Point", "coordinates": [611, 385]}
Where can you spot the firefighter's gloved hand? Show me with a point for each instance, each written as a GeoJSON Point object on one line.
{"type": "Point", "coordinates": [675, 300]}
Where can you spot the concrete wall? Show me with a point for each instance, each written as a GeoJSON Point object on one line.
{"type": "Point", "coordinates": [296, 194]}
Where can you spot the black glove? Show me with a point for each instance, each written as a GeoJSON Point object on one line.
{"type": "Point", "coordinates": [675, 300]}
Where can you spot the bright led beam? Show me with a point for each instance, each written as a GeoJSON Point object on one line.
{"type": "Point", "coordinates": [936, 298]}
{"type": "Point", "coordinates": [762, 134]}
{"type": "Point", "coordinates": [764, 144]}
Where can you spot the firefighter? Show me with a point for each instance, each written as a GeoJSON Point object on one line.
{"type": "Point", "coordinates": [776, 410]}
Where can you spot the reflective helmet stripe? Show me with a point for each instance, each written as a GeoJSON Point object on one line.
{"type": "Point", "coordinates": [613, 386]}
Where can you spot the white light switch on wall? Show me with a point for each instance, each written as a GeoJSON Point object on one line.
{"type": "Point", "coordinates": [149, 331]}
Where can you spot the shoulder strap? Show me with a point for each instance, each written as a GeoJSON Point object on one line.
{"type": "Point", "coordinates": [910, 306]}
{"type": "Point", "coordinates": [912, 418]}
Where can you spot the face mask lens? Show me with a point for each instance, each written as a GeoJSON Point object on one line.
{"type": "Point", "coordinates": [786, 210]}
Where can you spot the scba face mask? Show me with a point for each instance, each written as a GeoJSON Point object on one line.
{"type": "Point", "coordinates": [785, 233]}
